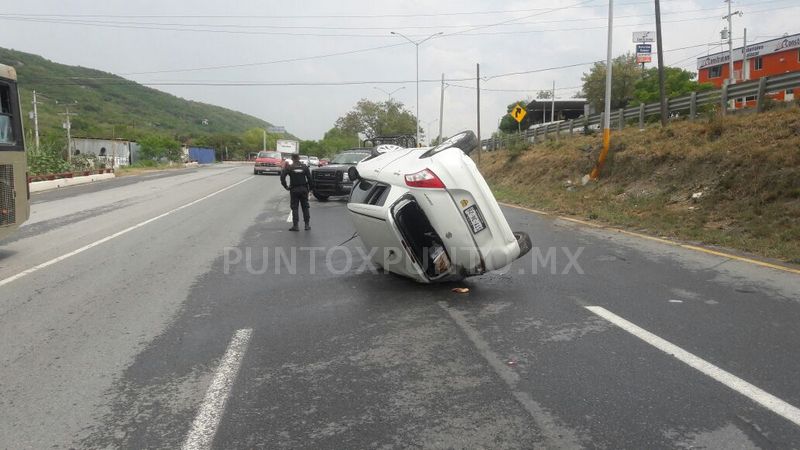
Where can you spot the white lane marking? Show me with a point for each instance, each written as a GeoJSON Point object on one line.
{"type": "Point", "coordinates": [205, 424]}
{"type": "Point", "coordinates": [556, 435]}
{"type": "Point", "coordinates": [115, 235]}
{"type": "Point", "coordinates": [754, 393]}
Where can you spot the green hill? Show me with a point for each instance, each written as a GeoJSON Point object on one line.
{"type": "Point", "coordinates": [105, 100]}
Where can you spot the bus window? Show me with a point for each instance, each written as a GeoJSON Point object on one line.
{"type": "Point", "coordinates": [6, 127]}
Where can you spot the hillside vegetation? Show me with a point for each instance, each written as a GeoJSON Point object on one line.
{"type": "Point", "coordinates": [733, 181]}
{"type": "Point", "coordinates": [106, 100]}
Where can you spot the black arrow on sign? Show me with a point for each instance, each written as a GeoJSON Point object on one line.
{"type": "Point", "coordinates": [517, 111]}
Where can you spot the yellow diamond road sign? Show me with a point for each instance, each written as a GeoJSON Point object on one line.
{"type": "Point", "coordinates": [518, 113]}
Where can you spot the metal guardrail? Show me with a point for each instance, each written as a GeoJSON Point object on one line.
{"type": "Point", "coordinates": [689, 104]}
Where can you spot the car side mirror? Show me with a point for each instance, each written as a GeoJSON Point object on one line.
{"type": "Point", "coordinates": [352, 172]}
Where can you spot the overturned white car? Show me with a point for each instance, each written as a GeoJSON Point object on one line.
{"type": "Point", "coordinates": [428, 214]}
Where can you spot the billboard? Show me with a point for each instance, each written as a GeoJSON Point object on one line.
{"type": "Point", "coordinates": [644, 36]}
{"type": "Point", "coordinates": [753, 51]}
{"type": "Point", "coordinates": [287, 146]}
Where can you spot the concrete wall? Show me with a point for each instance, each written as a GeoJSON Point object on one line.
{"type": "Point", "coordinates": [105, 149]}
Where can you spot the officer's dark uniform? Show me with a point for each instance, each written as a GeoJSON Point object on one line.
{"type": "Point", "coordinates": [301, 183]}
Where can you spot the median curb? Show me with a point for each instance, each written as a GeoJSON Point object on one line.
{"type": "Point", "coordinates": [39, 186]}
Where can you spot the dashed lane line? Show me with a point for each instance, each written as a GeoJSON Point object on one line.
{"type": "Point", "coordinates": [41, 266]}
{"type": "Point", "coordinates": [205, 424]}
{"type": "Point", "coordinates": [763, 398]}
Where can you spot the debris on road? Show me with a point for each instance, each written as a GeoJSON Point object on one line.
{"type": "Point", "coordinates": [460, 290]}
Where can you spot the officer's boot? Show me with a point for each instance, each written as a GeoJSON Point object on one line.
{"type": "Point", "coordinates": [294, 227]}
{"type": "Point", "coordinates": [308, 226]}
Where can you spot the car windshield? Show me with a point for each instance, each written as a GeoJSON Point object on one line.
{"type": "Point", "coordinates": [269, 155]}
{"type": "Point", "coordinates": [349, 158]}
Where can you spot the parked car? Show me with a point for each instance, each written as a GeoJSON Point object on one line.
{"type": "Point", "coordinates": [268, 162]}
{"type": "Point", "coordinates": [304, 159]}
{"type": "Point", "coordinates": [429, 215]}
{"type": "Point", "coordinates": [333, 179]}
{"type": "Point", "coordinates": [313, 161]}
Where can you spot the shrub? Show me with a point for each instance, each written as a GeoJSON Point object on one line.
{"type": "Point", "coordinates": [48, 159]}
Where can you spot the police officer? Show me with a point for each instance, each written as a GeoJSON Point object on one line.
{"type": "Point", "coordinates": [301, 184]}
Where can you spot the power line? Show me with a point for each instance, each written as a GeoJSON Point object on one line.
{"type": "Point", "coordinates": [464, 32]}
{"type": "Point", "coordinates": [265, 63]}
{"type": "Point", "coordinates": [59, 18]}
{"type": "Point", "coordinates": [309, 16]}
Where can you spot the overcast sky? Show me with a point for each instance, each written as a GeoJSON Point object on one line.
{"type": "Point", "coordinates": [504, 37]}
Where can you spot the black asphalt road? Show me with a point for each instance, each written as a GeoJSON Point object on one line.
{"type": "Point", "coordinates": [117, 346]}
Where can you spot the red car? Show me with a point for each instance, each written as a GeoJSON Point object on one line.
{"type": "Point", "coordinates": [324, 162]}
{"type": "Point", "coordinates": [268, 162]}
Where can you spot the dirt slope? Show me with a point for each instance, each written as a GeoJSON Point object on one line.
{"type": "Point", "coordinates": [743, 172]}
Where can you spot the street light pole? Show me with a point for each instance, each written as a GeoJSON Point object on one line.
{"type": "Point", "coordinates": [387, 92]}
{"type": "Point", "coordinates": [417, 44]}
{"type": "Point", "coordinates": [441, 111]}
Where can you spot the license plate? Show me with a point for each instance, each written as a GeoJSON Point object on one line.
{"type": "Point", "coordinates": [474, 218]}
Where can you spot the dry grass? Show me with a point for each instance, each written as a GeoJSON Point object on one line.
{"type": "Point", "coordinates": [125, 171]}
{"type": "Point", "coordinates": [747, 169]}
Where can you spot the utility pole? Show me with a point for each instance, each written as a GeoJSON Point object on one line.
{"type": "Point", "coordinates": [661, 89]}
{"type": "Point", "coordinates": [730, 15]}
{"type": "Point", "coordinates": [745, 67]}
{"type": "Point", "coordinates": [601, 160]}
{"type": "Point", "coordinates": [113, 146]}
{"type": "Point", "coordinates": [553, 104]}
{"type": "Point", "coordinates": [441, 111]}
{"type": "Point", "coordinates": [478, 85]}
{"type": "Point", "coordinates": [264, 140]}
{"type": "Point", "coordinates": [68, 126]}
{"type": "Point", "coordinates": [35, 121]}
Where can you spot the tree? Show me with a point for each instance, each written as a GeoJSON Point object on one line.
{"type": "Point", "coordinates": [336, 140]}
{"type": "Point", "coordinates": [677, 82]}
{"type": "Point", "coordinates": [544, 95]}
{"type": "Point", "coordinates": [156, 147]}
{"type": "Point", "coordinates": [624, 76]}
{"type": "Point", "coordinates": [509, 125]}
{"type": "Point", "coordinates": [377, 118]}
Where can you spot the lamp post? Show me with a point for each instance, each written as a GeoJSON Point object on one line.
{"type": "Point", "coordinates": [417, 44]}
{"type": "Point", "coordinates": [387, 92]}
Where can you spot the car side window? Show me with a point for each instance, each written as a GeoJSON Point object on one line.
{"type": "Point", "coordinates": [361, 191]}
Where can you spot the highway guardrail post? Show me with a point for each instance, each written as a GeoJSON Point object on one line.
{"type": "Point", "coordinates": [693, 106]}
{"type": "Point", "coordinates": [641, 116]}
{"type": "Point", "coordinates": [762, 94]}
{"type": "Point", "coordinates": [723, 99]}
{"type": "Point", "coordinates": [571, 126]}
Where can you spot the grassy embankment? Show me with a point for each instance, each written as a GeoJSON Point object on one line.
{"type": "Point", "coordinates": [744, 172]}
{"type": "Point", "coordinates": [148, 166]}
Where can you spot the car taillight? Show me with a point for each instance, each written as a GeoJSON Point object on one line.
{"type": "Point", "coordinates": [424, 179]}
